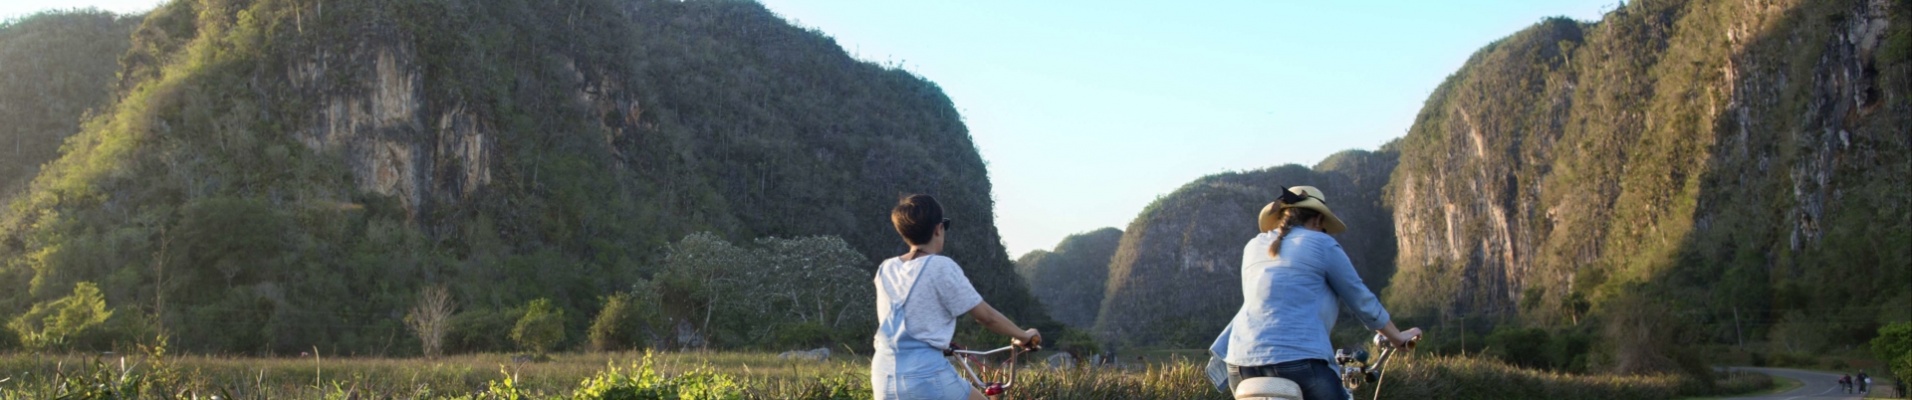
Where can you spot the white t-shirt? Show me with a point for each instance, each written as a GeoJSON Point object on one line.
{"type": "Point", "coordinates": [941, 294]}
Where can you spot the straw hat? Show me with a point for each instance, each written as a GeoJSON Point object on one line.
{"type": "Point", "coordinates": [1301, 197]}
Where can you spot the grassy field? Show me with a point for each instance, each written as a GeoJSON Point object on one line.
{"type": "Point", "coordinates": [737, 375]}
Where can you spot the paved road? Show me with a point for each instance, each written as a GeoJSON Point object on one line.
{"type": "Point", "coordinates": [1814, 385]}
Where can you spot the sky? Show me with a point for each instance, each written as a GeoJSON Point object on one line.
{"type": "Point", "coordinates": [1087, 111]}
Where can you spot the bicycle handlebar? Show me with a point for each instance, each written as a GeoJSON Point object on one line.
{"type": "Point", "coordinates": [991, 388]}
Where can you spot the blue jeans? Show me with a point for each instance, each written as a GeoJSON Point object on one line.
{"type": "Point", "coordinates": [1317, 379]}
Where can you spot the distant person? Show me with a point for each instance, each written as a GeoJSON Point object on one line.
{"type": "Point", "coordinates": [918, 297]}
{"type": "Point", "coordinates": [1901, 388]}
{"type": "Point", "coordinates": [1294, 279]}
{"type": "Point", "coordinates": [1864, 382]}
{"type": "Point", "coordinates": [1845, 383]}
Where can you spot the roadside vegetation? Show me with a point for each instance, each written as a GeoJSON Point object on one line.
{"type": "Point", "coordinates": [744, 375]}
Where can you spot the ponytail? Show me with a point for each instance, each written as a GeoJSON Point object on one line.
{"type": "Point", "coordinates": [1290, 218]}
{"type": "Point", "coordinates": [1274, 249]}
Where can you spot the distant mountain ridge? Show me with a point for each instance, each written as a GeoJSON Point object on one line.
{"type": "Point", "coordinates": [1069, 280]}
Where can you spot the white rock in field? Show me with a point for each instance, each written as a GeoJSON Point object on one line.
{"type": "Point", "coordinates": [1061, 360]}
{"type": "Point", "coordinates": [816, 354]}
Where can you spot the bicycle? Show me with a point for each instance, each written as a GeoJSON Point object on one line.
{"type": "Point", "coordinates": [1355, 370]}
{"type": "Point", "coordinates": [990, 389]}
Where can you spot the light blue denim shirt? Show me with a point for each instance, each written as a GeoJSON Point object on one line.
{"type": "Point", "coordinates": [1291, 302]}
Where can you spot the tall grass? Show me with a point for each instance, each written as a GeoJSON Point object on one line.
{"type": "Point", "coordinates": [736, 375]}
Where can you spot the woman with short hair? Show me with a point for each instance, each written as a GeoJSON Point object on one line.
{"type": "Point", "coordinates": [918, 297]}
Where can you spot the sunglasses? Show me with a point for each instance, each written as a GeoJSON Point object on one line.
{"type": "Point", "coordinates": [946, 225]}
{"type": "Point", "coordinates": [1288, 197]}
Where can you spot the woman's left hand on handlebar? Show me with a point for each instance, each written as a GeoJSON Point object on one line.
{"type": "Point", "coordinates": [1031, 338]}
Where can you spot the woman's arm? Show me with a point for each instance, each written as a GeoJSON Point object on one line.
{"type": "Point", "coordinates": [1356, 296]}
{"type": "Point", "coordinates": [1353, 294]}
{"type": "Point", "coordinates": [1398, 337]}
{"type": "Point", "coordinates": [1001, 325]}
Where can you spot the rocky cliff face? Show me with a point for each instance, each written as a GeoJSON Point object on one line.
{"type": "Point", "coordinates": [510, 150]}
{"type": "Point", "coordinates": [1175, 280]}
{"type": "Point", "coordinates": [1714, 156]}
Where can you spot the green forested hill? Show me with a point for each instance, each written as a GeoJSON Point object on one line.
{"type": "Point", "coordinates": [54, 67]}
{"type": "Point", "coordinates": [284, 174]}
{"type": "Point", "coordinates": [1175, 279]}
{"type": "Point", "coordinates": [1069, 280]}
{"type": "Point", "coordinates": [1679, 172]}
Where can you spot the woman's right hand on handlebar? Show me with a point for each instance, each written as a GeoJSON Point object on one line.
{"type": "Point", "coordinates": [1406, 338]}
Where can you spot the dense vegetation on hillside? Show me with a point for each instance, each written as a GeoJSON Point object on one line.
{"type": "Point", "coordinates": [283, 174]}
{"type": "Point", "coordinates": [1069, 280]}
{"type": "Point", "coordinates": [1175, 279]}
{"type": "Point", "coordinates": [1680, 172]}
{"type": "Point", "coordinates": [54, 67]}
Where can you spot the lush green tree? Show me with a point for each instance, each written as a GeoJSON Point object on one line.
{"type": "Point", "coordinates": [541, 328]}
{"type": "Point", "coordinates": [50, 324]}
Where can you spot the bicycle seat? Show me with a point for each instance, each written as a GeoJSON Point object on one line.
{"type": "Point", "coordinates": [1267, 388]}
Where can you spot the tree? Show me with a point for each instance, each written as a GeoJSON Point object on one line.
{"type": "Point", "coordinates": [699, 274]}
{"type": "Point", "coordinates": [541, 328]}
{"type": "Point", "coordinates": [816, 280]}
{"type": "Point", "coordinates": [1894, 347]}
{"type": "Point", "coordinates": [431, 318]}
{"type": "Point", "coordinates": [49, 324]}
{"type": "Point", "coordinates": [627, 321]}
{"type": "Point", "coordinates": [798, 289]}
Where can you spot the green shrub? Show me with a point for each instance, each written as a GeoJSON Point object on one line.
{"type": "Point", "coordinates": [1075, 341]}
{"type": "Point", "coordinates": [801, 335]}
{"type": "Point", "coordinates": [1519, 346]}
{"type": "Point", "coordinates": [615, 327]}
{"type": "Point", "coordinates": [49, 325]}
{"type": "Point", "coordinates": [1897, 47]}
{"type": "Point", "coordinates": [9, 340]}
{"type": "Point", "coordinates": [541, 328]}
{"type": "Point", "coordinates": [1569, 351]}
{"type": "Point", "coordinates": [482, 330]}
{"type": "Point", "coordinates": [643, 382]}
{"type": "Point", "coordinates": [629, 320]}
{"type": "Point", "coordinates": [1786, 359]}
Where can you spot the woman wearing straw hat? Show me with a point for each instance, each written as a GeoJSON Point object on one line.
{"type": "Point", "coordinates": [1295, 279]}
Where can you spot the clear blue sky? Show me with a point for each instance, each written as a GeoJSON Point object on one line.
{"type": "Point", "coordinates": [1086, 111]}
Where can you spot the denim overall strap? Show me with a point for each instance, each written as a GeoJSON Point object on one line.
{"type": "Point", "coordinates": [896, 351]}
